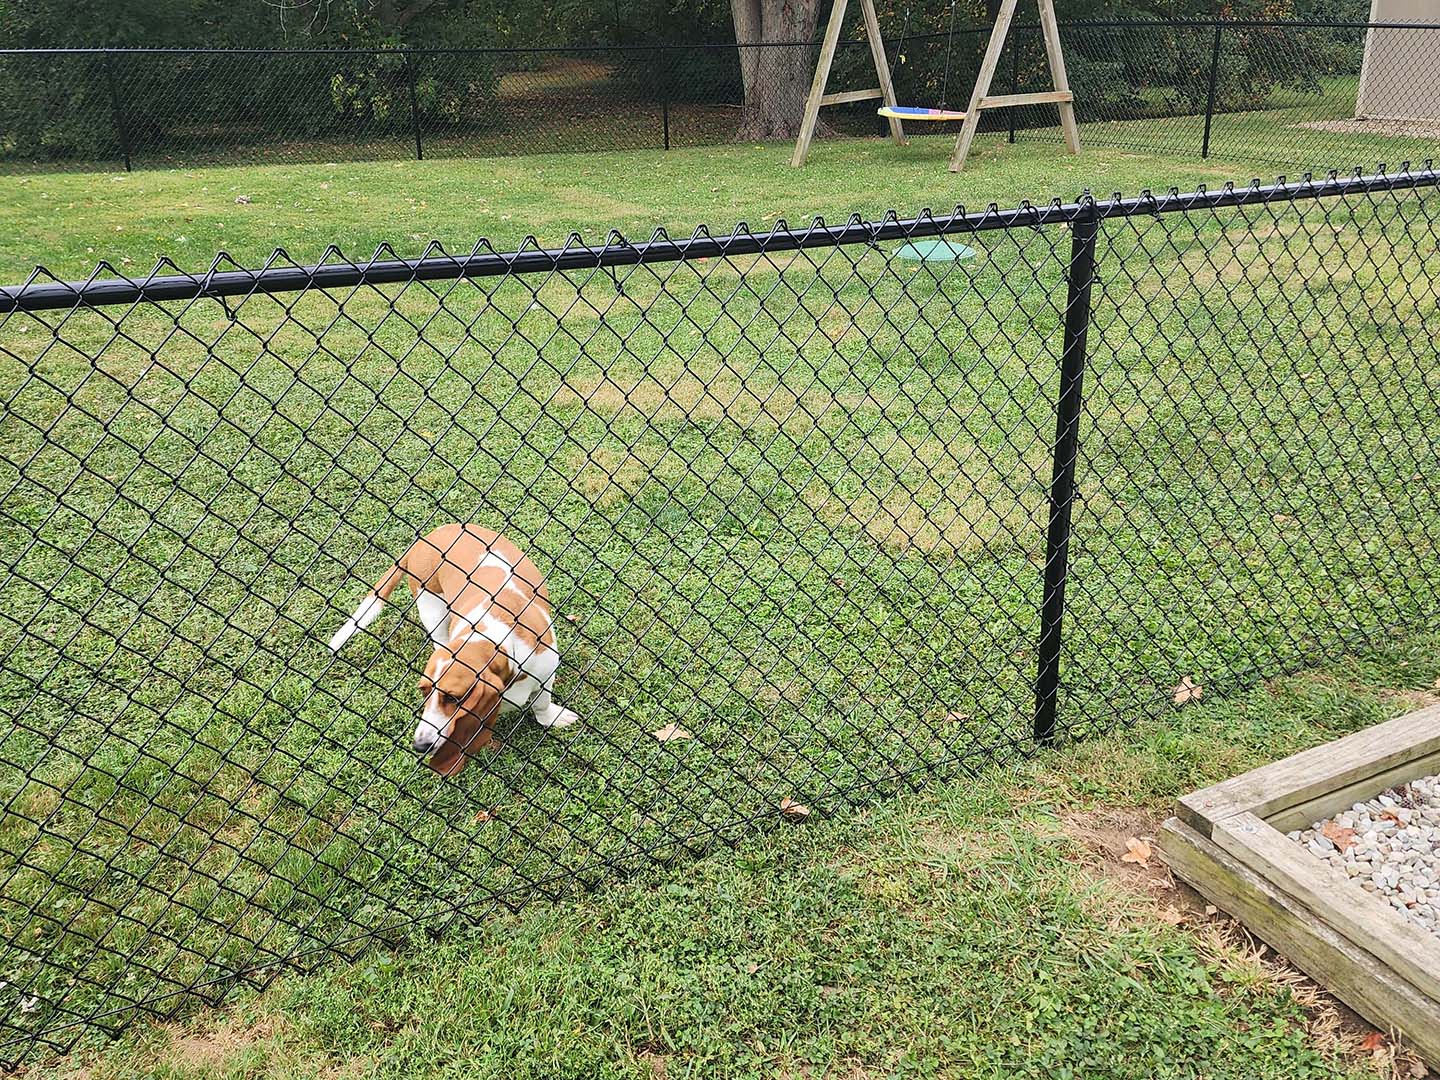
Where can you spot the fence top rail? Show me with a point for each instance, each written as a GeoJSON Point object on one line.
{"type": "Point", "coordinates": [168, 283]}
{"type": "Point", "coordinates": [500, 50]}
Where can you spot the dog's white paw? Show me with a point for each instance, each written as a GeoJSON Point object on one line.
{"type": "Point", "coordinates": [556, 717]}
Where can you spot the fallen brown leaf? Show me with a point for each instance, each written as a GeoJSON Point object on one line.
{"type": "Point", "coordinates": [956, 716]}
{"type": "Point", "coordinates": [1188, 690]}
{"type": "Point", "coordinates": [1171, 916]}
{"type": "Point", "coordinates": [1136, 851]}
{"type": "Point", "coordinates": [1374, 1041]}
{"type": "Point", "coordinates": [484, 815]}
{"type": "Point", "coordinates": [572, 618]}
{"type": "Point", "coordinates": [1211, 909]}
{"type": "Point", "coordinates": [792, 809]}
{"type": "Point", "coordinates": [1341, 837]}
{"type": "Point", "coordinates": [1390, 815]}
{"type": "Point", "coordinates": [671, 732]}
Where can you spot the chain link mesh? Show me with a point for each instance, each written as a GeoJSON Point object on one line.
{"type": "Point", "coordinates": [1286, 93]}
{"type": "Point", "coordinates": [791, 492]}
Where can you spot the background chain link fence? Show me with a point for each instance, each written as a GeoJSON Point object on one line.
{"type": "Point", "coordinates": [818, 505]}
{"type": "Point", "coordinates": [1284, 93]}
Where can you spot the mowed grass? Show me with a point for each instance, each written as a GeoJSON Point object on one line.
{"type": "Point", "coordinates": [794, 503]}
{"type": "Point", "coordinates": [69, 222]}
{"type": "Point", "coordinates": [1291, 130]}
{"type": "Point", "coordinates": [979, 929]}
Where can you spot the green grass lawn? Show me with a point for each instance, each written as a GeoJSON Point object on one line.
{"type": "Point", "coordinates": [795, 503]}
{"type": "Point", "coordinates": [69, 222]}
{"type": "Point", "coordinates": [1291, 131]}
{"type": "Point", "coordinates": [971, 930]}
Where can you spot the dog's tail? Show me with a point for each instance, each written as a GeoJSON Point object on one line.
{"type": "Point", "coordinates": [369, 609]}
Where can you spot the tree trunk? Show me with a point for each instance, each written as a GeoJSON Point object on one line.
{"type": "Point", "coordinates": [776, 79]}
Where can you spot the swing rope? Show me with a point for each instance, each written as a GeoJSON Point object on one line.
{"type": "Point", "coordinates": [899, 57]}
{"type": "Point", "coordinates": [949, 49]}
{"type": "Point", "coordinates": [911, 112]}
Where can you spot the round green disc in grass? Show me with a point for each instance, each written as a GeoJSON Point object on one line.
{"type": "Point", "coordinates": [935, 251]}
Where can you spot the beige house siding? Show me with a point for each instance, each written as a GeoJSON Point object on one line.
{"type": "Point", "coordinates": [1400, 75]}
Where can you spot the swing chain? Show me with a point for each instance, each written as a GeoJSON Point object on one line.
{"type": "Point", "coordinates": [949, 52]}
{"type": "Point", "coordinates": [900, 45]}
{"type": "Point", "coordinates": [949, 49]}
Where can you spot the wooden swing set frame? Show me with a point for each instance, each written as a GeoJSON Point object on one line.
{"type": "Point", "coordinates": [980, 98]}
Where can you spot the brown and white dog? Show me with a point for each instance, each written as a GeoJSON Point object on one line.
{"type": "Point", "coordinates": [484, 605]}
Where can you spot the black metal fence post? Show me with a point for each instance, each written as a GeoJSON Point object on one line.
{"type": "Point", "coordinates": [414, 104]}
{"type": "Point", "coordinates": [115, 112]}
{"type": "Point", "coordinates": [1210, 93]}
{"type": "Point", "coordinates": [664, 97]}
{"type": "Point", "coordinates": [1085, 226]}
{"type": "Point", "coordinates": [1014, 76]}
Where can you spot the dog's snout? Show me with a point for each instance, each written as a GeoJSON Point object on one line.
{"type": "Point", "coordinates": [432, 727]}
{"type": "Point", "coordinates": [427, 738]}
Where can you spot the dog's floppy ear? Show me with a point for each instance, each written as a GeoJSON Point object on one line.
{"type": "Point", "coordinates": [478, 663]}
{"type": "Point", "coordinates": [477, 678]}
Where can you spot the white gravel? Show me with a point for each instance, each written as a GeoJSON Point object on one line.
{"type": "Point", "coordinates": [1395, 849]}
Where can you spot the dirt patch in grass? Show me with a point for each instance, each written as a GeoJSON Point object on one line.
{"type": "Point", "coordinates": [673, 393]}
{"type": "Point", "coordinates": [1411, 700]}
{"type": "Point", "coordinates": [657, 1063]}
{"type": "Point", "coordinates": [559, 77]}
{"type": "Point", "coordinates": [942, 839]}
{"type": "Point", "coordinates": [1105, 835]}
{"type": "Point", "coordinates": [1394, 129]}
{"type": "Point", "coordinates": [210, 1049]}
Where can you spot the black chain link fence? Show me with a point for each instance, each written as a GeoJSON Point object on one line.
{"type": "Point", "coordinates": [810, 511]}
{"type": "Point", "coordinates": [1287, 93]}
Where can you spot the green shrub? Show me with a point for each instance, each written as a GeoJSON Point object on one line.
{"type": "Point", "coordinates": [56, 107]}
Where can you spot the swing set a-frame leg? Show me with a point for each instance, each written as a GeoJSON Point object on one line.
{"type": "Point", "coordinates": [971, 124]}
{"type": "Point", "coordinates": [1051, 29]}
{"type": "Point", "coordinates": [980, 99]}
{"type": "Point", "coordinates": [817, 97]}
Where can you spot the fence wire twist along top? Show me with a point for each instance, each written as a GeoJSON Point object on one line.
{"type": "Point", "coordinates": [817, 521]}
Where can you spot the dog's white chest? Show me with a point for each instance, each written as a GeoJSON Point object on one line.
{"type": "Point", "coordinates": [520, 694]}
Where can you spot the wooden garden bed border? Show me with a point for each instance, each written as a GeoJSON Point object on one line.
{"type": "Point", "coordinates": [1228, 841]}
